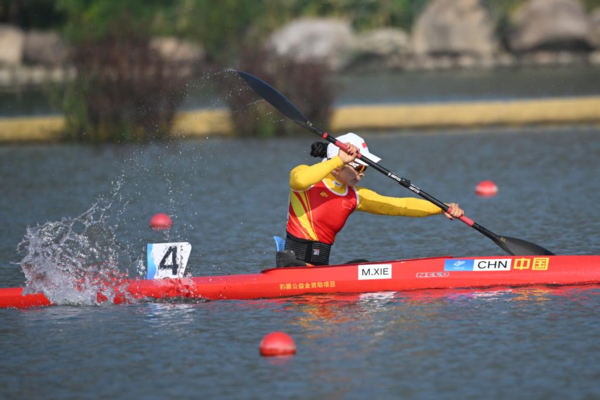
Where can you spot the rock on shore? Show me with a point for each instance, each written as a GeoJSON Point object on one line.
{"type": "Point", "coordinates": [45, 48]}
{"type": "Point", "coordinates": [448, 34]}
{"type": "Point", "coordinates": [380, 47]}
{"type": "Point", "coordinates": [12, 40]}
{"type": "Point", "coordinates": [324, 40]}
{"type": "Point", "coordinates": [551, 25]}
{"type": "Point", "coordinates": [454, 28]}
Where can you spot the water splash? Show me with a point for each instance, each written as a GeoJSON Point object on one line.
{"type": "Point", "coordinates": [75, 260]}
{"type": "Point", "coordinates": [80, 261]}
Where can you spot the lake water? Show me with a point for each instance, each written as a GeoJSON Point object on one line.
{"type": "Point", "coordinates": [229, 197]}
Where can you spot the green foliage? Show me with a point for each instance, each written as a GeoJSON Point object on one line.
{"type": "Point", "coordinates": [502, 12]}
{"type": "Point", "coordinates": [224, 27]}
{"type": "Point", "coordinates": [78, 125]}
{"type": "Point", "coordinates": [591, 5]}
{"type": "Point", "coordinates": [364, 14]}
{"type": "Point", "coordinates": [504, 8]}
{"type": "Point", "coordinates": [124, 91]}
{"type": "Point", "coordinates": [31, 14]}
{"type": "Point", "coordinates": [96, 19]}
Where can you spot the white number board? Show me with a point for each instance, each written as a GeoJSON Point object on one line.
{"type": "Point", "coordinates": [167, 260]}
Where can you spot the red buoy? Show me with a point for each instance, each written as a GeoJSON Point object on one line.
{"type": "Point", "coordinates": [161, 221]}
{"type": "Point", "coordinates": [277, 344]}
{"type": "Point", "coordinates": [486, 189]}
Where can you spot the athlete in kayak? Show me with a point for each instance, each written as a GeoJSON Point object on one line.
{"type": "Point", "coordinates": [324, 195]}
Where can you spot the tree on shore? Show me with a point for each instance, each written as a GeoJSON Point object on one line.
{"type": "Point", "coordinates": [124, 90]}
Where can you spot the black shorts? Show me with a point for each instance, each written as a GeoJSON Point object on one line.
{"type": "Point", "coordinates": [316, 253]}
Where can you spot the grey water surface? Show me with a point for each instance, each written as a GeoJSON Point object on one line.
{"type": "Point", "coordinates": [229, 197]}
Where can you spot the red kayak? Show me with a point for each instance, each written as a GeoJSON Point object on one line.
{"type": "Point", "coordinates": [383, 276]}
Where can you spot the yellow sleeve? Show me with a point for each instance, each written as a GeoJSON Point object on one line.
{"type": "Point", "coordinates": [374, 203]}
{"type": "Point", "coordinates": [302, 177]}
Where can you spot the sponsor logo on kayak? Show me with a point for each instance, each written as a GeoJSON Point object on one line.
{"type": "Point", "coordinates": [495, 264]}
{"type": "Point", "coordinates": [433, 274]}
{"type": "Point", "coordinates": [307, 285]}
{"type": "Point", "coordinates": [492, 265]}
{"type": "Point", "coordinates": [458, 265]}
{"type": "Point", "coordinates": [375, 271]}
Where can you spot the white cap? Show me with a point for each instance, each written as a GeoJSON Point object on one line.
{"type": "Point", "coordinates": [352, 138]}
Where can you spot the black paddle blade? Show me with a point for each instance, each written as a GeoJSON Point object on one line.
{"type": "Point", "coordinates": [518, 247]}
{"type": "Point", "coordinates": [276, 99]}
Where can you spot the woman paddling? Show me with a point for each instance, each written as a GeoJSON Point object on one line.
{"type": "Point", "coordinates": [324, 195]}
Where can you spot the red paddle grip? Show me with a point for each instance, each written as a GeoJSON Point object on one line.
{"type": "Point", "coordinates": [464, 218]}
{"type": "Point", "coordinates": [344, 147]}
{"type": "Point", "coordinates": [467, 220]}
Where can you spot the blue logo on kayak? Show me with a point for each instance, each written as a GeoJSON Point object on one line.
{"type": "Point", "coordinates": [458, 265]}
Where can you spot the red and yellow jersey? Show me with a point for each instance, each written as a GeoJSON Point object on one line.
{"type": "Point", "coordinates": [319, 213]}
{"type": "Point", "coordinates": [320, 205]}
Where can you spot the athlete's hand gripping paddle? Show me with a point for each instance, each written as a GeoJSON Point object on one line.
{"type": "Point", "coordinates": [512, 246]}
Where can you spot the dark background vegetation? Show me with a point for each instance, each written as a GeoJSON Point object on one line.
{"type": "Point", "coordinates": [125, 92]}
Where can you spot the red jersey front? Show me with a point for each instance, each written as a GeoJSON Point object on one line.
{"type": "Point", "coordinates": [318, 213]}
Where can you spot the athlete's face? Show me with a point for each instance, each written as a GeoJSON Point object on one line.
{"type": "Point", "coordinates": [351, 175]}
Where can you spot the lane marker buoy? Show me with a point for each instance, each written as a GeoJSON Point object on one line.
{"type": "Point", "coordinates": [161, 221]}
{"type": "Point", "coordinates": [277, 344]}
{"type": "Point", "coordinates": [486, 189]}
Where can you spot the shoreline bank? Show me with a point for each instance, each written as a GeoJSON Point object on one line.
{"type": "Point", "coordinates": [550, 111]}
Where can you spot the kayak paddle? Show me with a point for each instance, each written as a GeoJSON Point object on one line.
{"type": "Point", "coordinates": [512, 246]}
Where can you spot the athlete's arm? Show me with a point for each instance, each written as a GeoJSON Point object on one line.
{"type": "Point", "coordinates": [374, 203]}
{"type": "Point", "coordinates": [303, 176]}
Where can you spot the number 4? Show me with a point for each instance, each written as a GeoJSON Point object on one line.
{"type": "Point", "coordinates": [172, 251]}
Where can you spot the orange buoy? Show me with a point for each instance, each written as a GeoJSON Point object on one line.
{"type": "Point", "coordinates": [277, 344]}
{"type": "Point", "coordinates": [161, 221]}
{"type": "Point", "coordinates": [486, 189]}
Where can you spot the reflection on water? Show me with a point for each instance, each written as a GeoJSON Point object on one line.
{"type": "Point", "coordinates": [316, 312]}
{"type": "Point", "coordinates": [423, 337]}
{"type": "Point", "coordinates": [177, 317]}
